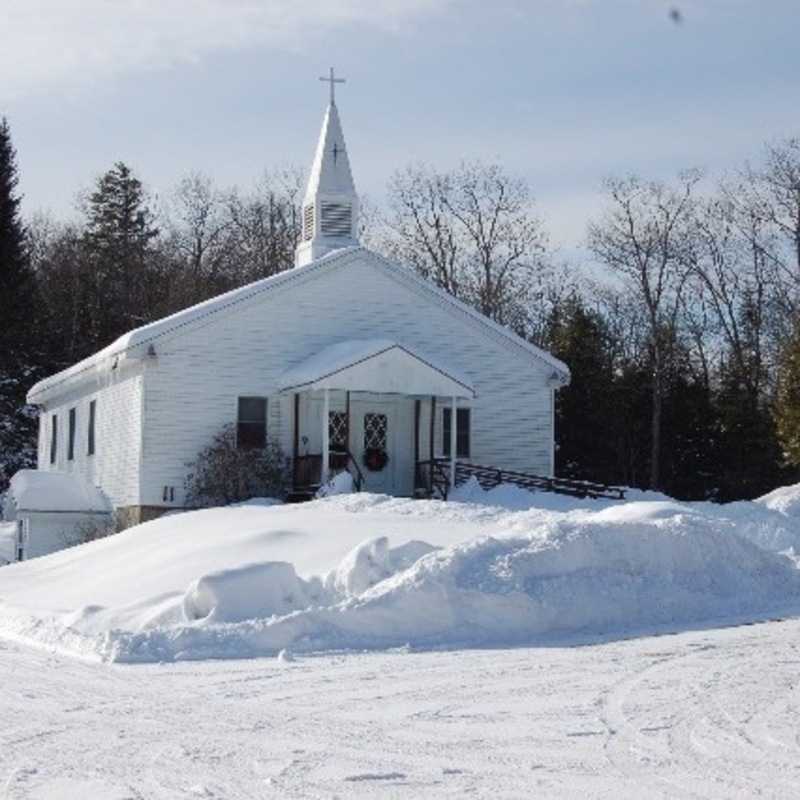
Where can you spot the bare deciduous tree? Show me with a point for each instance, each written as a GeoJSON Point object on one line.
{"type": "Point", "coordinates": [472, 231]}
{"type": "Point", "coordinates": [731, 278]}
{"type": "Point", "coordinates": [264, 227]}
{"type": "Point", "coordinates": [644, 237]}
{"type": "Point", "coordinates": [197, 224]}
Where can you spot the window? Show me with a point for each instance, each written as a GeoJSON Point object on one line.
{"type": "Point", "coordinates": [375, 431]}
{"type": "Point", "coordinates": [20, 540]}
{"type": "Point", "coordinates": [53, 437]}
{"type": "Point", "coordinates": [337, 431]}
{"type": "Point", "coordinates": [462, 431]}
{"type": "Point", "coordinates": [251, 428]}
{"type": "Point", "coordinates": [71, 439]}
{"type": "Point", "coordinates": [90, 442]}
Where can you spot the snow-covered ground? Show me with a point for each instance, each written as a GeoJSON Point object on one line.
{"type": "Point", "coordinates": [393, 622]}
{"type": "Point", "coordinates": [367, 571]}
{"type": "Point", "coordinates": [704, 714]}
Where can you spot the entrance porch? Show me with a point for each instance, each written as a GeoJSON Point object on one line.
{"type": "Point", "coordinates": [361, 406]}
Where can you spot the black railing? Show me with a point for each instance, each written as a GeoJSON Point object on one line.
{"type": "Point", "coordinates": [307, 473]}
{"type": "Point", "coordinates": [358, 476]}
{"type": "Point", "coordinates": [434, 476]}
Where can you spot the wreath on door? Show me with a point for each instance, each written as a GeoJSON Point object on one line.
{"type": "Point", "coordinates": [375, 459]}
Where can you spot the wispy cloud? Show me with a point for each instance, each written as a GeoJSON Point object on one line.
{"type": "Point", "coordinates": [51, 45]}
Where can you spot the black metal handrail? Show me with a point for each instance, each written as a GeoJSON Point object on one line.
{"type": "Point", "coordinates": [431, 476]}
{"type": "Point", "coordinates": [489, 477]}
{"type": "Point", "coordinates": [308, 468]}
{"type": "Point", "coordinates": [358, 478]}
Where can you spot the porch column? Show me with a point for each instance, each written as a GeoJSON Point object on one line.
{"type": "Point", "coordinates": [430, 442]}
{"type": "Point", "coordinates": [326, 444]}
{"type": "Point", "coordinates": [347, 417]}
{"type": "Point", "coordinates": [296, 440]}
{"type": "Point", "coordinates": [453, 422]}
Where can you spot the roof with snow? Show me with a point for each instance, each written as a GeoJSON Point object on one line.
{"type": "Point", "coordinates": [36, 490]}
{"type": "Point", "coordinates": [134, 343]}
{"type": "Point", "coordinates": [375, 365]}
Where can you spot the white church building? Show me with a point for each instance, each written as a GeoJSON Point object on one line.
{"type": "Point", "coordinates": [348, 361]}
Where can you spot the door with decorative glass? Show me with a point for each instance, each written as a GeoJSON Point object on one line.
{"type": "Point", "coordinates": [374, 433]}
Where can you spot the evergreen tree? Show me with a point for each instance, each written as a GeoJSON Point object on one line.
{"type": "Point", "coordinates": [17, 315]}
{"type": "Point", "coordinates": [787, 401]}
{"type": "Point", "coordinates": [691, 455]}
{"type": "Point", "coordinates": [16, 278]}
{"type": "Point", "coordinates": [750, 456]}
{"type": "Point", "coordinates": [121, 267]}
{"type": "Point", "coordinates": [584, 414]}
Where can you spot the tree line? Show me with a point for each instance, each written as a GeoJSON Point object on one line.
{"type": "Point", "coordinates": [680, 329]}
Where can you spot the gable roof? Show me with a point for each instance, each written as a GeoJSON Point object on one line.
{"type": "Point", "coordinates": [378, 365]}
{"type": "Point", "coordinates": [135, 343]}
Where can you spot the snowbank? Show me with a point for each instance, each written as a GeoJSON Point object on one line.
{"type": "Point", "coordinates": [356, 571]}
{"type": "Point", "coordinates": [785, 500]}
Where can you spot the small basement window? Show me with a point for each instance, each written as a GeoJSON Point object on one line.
{"type": "Point", "coordinates": [251, 426]}
{"type": "Point", "coordinates": [462, 431]}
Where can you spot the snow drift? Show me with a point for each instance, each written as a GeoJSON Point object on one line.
{"type": "Point", "coordinates": [365, 571]}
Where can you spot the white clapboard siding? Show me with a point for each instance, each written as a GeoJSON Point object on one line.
{"type": "Point", "coordinates": [192, 385]}
{"type": "Point", "coordinates": [115, 464]}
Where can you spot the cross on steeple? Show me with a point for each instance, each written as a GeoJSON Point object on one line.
{"type": "Point", "coordinates": [332, 80]}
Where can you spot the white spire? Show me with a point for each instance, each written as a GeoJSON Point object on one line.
{"type": "Point", "coordinates": [330, 205]}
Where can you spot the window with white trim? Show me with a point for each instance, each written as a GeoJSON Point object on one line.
{"type": "Point", "coordinates": [90, 431]}
{"type": "Point", "coordinates": [53, 438]}
{"type": "Point", "coordinates": [21, 536]}
{"type": "Point", "coordinates": [71, 436]}
{"type": "Point", "coordinates": [462, 432]}
{"type": "Point", "coordinates": [251, 426]}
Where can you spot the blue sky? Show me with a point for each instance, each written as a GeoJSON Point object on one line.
{"type": "Point", "coordinates": [564, 93]}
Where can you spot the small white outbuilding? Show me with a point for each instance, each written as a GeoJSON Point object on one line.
{"type": "Point", "coordinates": [47, 511]}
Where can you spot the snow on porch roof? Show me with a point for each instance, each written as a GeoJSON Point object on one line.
{"type": "Point", "coordinates": [374, 365]}
{"type": "Point", "coordinates": [36, 490]}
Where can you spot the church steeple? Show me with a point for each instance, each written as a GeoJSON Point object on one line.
{"type": "Point", "coordinates": [330, 205]}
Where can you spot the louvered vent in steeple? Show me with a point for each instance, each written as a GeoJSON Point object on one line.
{"type": "Point", "coordinates": [336, 219]}
{"type": "Point", "coordinates": [308, 223]}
